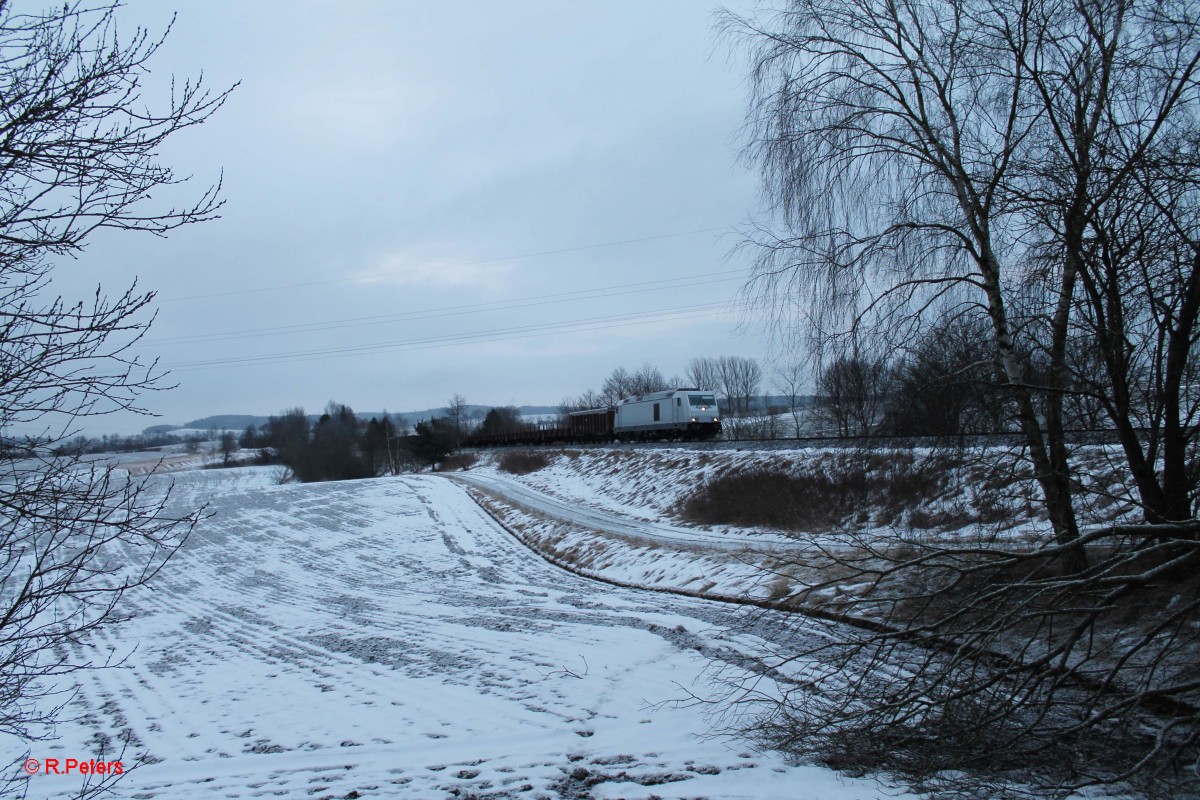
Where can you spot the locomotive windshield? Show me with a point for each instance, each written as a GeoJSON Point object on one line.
{"type": "Point", "coordinates": [702, 400]}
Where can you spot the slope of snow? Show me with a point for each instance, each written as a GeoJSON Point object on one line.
{"type": "Point", "coordinates": [974, 492]}
{"type": "Point", "coordinates": [387, 639]}
{"type": "Point", "coordinates": [621, 525]}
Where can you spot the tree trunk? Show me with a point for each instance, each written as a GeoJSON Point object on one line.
{"type": "Point", "coordinates": [1176, 499]}
{"type": "Point", "coordinates": [1052, 478]}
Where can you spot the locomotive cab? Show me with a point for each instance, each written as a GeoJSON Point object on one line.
{"type": "Point", "coordinates": [703, 416]}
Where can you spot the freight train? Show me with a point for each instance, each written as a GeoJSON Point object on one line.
{"type": "Point", "coordinates": [672, 414]}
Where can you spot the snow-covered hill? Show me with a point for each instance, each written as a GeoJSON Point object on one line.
{"type": "Point", "coordinates": [387, 639]}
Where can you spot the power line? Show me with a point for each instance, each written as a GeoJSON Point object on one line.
{"type": "Point", "coordinates": [475, 337]}
{"type": "Point", "coordinates": [459, 310]}
{"type": "Point", "coordinates": [332, 281]}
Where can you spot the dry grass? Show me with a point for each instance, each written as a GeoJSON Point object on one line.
{"type": "Point", "coordinates": [853, 489]}
{"type": "Point", "coordinates": [458, 462]}
{"type": "Point", "coordinates": [523, 462]}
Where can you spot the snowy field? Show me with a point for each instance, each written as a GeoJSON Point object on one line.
{"type": "Point", "coordinates": [387, 639]}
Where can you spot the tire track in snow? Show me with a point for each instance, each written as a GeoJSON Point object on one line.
{"type": "Point", "coordinates": [388, 638]}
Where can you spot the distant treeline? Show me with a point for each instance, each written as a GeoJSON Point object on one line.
{"type": "Point", "coordinates": [239, 422]}
{"type": "Point", "coordinates": [131, 444]}
{"type": "Point", "coordinates": [339, 445]}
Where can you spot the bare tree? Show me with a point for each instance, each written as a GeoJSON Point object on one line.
{"type": "Point", "coordinates": [850, 394]}
{"type": "Point", "coordinates": [790, 380]}
{"type": "Point", "coordinates": [1039, 163]}
{"type": "Point", "coordinates": [1032, 155]}
{"type": "Point", "coordinates": [976, 670]}
{"type": "Point", "coordinates": [78, 152]}
{"type": "Point", "coordinates": [851, 91]}
{"type": "Point", "coordinates": [617, 386]}
{"type": "Point", "coordinates": [622, 383]}
{"type": "Point", "coordinates": [704, 372]}
{"type": "Point", "coordinates": [587, 400]}
{"type": "Point", "coordinates": [456, 410]}
{"type": "Point", "coordinates": [648, 379]}
{"type": "Point", "coordinates": [740, 378]}
{"type": "Point", "coordinates": [945, 383]}
{"type": "Point", "coordinates": [747, 379]}
{"type": "Point", "coordinates": [229, 446]}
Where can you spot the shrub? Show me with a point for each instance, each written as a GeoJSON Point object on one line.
{"type": "Point", "coordinates": [523, 462]}
{"type": "Point", "coordinates": [773, 498]}
{"type": "Point", "coordinates": [459, 461]}
{"type": "Point", "coordinates": [768, 498]}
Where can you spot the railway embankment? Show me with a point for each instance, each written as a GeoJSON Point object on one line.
{"type": "Point", "coordinates": [728, 575]}
{"type": "Point", "coordinates": [753, 525]}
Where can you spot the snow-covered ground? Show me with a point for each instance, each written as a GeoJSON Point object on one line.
{"type": "Point", "coordinates": [595, 542]}
{"type": "Point", "coordinates": [649, 483]}
{"type": "Point", "coordinates": [171, 458]}
{"type": "Point", "coordinates": [613, 513]}
{"type": "Point", "coordinates": [386, 638]}
{"type": "Point", "coordinates": [639, 526]}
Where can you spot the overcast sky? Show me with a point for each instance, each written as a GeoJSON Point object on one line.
{"type": "Point", "coordinates": [500, 199]}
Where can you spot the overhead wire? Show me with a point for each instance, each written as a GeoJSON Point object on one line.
{"type": "Point", "coordinates": [473, 337]}
{"type": "Point", "coordinates": [397, 273]}
{"type": "Point", "coordinates": [617, 290]}
{"type": "Point", "coordinates": [459, 339]}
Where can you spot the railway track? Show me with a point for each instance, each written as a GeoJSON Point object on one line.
{"type": "Point", "coordinates": [977, 440]}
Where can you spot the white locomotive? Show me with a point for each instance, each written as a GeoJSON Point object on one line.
{"type": "Point", "coordinates": [682, 413]}
{"type": "Point", "coordinates": [673, 414]}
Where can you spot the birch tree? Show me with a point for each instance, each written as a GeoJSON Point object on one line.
{"type": "Point", "coordinates": [1036, 164]}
